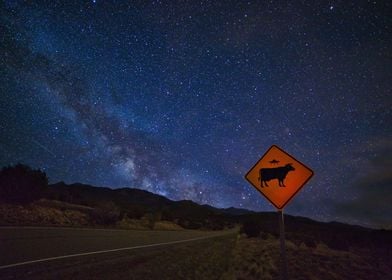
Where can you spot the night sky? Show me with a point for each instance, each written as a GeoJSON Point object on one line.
{"type": "Point", "coordinates": [182, 98]}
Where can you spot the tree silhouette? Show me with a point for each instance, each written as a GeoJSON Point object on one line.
{"type": "Point", "coordinates": [20, 184]}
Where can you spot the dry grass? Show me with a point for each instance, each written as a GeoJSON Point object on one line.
{"type": "Point", "coordinates": [57, 213]}
{"type": "Point", "coordinates": [255, 258]}
{"type": "Point", "coordinates": [42, 214]}
{"type": "Point", "coordinates": [166, 225]}
{"type": "Point", "coordinates": [141, 224]}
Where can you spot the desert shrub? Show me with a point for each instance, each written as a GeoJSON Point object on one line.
{"type": "Point", "coordinates": [150, 219]}
{"type": "Point", "coordinates": [264, 235]}
{"type": "Point", "coordinates": [194, 225]}
{"type": "Point", "coordinates": [167, 215]}
{"type": "Point", "coordinates": [135, 211]}
{"type": "Point", "coordinates": [251, 228]}
{"type": "Point", "coordinates": [217, 226]}
{"type": "Point", "coordinates": [106, 214]}
{"type": "Point", "coordinates": [189, 224]}
{"type": "Point", "coordinates": [310, 243]}
{"type": "Point", "coordinates": [20, 184]}
{"type": "Point", "coordinates": [340, 244]}
{"type": "Point", "coordinates": [295, 238]}
{"type": "Point", "coordinates": [102, 217]}
{"type": "Point", "coordinates": [214, 223]}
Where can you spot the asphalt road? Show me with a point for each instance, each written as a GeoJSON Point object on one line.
{"type": "Point", "coordinates": [20, 245]}
{"type": "Point", "coordinates": [68, 253]}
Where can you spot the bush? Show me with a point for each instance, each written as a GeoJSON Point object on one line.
{"type": "Point", "coordinates": [151, 218]}
{"type": "Point", "coordinates": [107, 213]}
{"type": "Point", "coordinates": [264, 235]}
{"type": "Point", "coordinates": [338, 243]}
{"type": "Point", "coordinates": [310, 243]}
{"type": "Point", "coordinates": [135, 211]}
{"type": "Point", "coordinates": [167, 215]}
{"type": "Point", "coordinates": [20, 184]}
{"type": "Point", "coordinates": [251, 228]}
{"type": "Point", "coordinates": [103, 217]}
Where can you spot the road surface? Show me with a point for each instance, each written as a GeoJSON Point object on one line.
{"type": "Point", "coordinates": [33, 253]}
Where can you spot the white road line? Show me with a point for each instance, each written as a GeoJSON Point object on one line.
{"type": "Point", "coordinates": [107, 251]}
{"type": "Point", "coordinates": [67, 228]}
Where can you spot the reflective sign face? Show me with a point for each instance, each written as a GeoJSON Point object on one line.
{"type": "Point", "coordinates": [278, 176]}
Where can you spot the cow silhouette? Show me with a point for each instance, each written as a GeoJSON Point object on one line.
{"type": "Point", "coordinates": [280, 173]}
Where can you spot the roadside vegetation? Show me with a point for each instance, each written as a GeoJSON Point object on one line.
{"type": "Point", "coordinates": [27, 199]}
{"type": "Point", "coordinates": [258, 258]}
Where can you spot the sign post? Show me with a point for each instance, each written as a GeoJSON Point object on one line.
{"type": "Point", "coordinates": [283, 259]}
{"type": "Point", "coordinates": [278, 176]}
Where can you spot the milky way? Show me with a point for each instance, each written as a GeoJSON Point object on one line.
{"type": "Point", "coordinates": [182, 98]}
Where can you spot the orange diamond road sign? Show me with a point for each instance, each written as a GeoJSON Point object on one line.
{"type": "Point", "coordinates": [278, 176]}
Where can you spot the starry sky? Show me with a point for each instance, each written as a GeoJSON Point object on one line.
{"type": "Point", "coordinates": [181, 98]}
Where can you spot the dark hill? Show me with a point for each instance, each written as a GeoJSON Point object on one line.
{"type": "Point", "coordinates": [90, 195]}
{"type": "Point", "coordinates": [136, 203]}
{"type": "Point", "coordinates": [124, 197]}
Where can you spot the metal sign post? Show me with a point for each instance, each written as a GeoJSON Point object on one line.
{"type": "Point", "coordinates": [283, 259]}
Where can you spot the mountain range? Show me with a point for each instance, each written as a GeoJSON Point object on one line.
{"type": "Point", "coordinates": [85, 205]}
